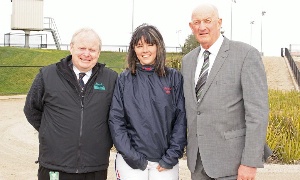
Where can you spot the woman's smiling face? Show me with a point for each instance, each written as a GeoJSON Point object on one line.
{"type": "Point", "coordinates": [146, 53]}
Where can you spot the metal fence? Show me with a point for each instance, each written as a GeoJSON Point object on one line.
{"type": "Point", "coordinates": [294, 50]}
{"type": "Point", "coordinates": [41, 41]}
{"type": "Point", "coordinates": [113, 48]}
{"type": "Point", "coordinates": [293, 65]}
{"type": "Point", "coordinates": [18, 40]}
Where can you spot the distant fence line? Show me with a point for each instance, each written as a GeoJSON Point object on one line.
{"type": "Point", "coordinates": [114, 48]}
{"type": "Point", "coordinates": [294, 50]}
{"type": "Point", "coordinates": [293, 64]}
{"type": "Point", "coordinates": [17, 66]}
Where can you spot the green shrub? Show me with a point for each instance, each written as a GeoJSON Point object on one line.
{"type": "Point", "coordinates": [190, 44]}
{"type": "Point", "coordinates": [174, 60]}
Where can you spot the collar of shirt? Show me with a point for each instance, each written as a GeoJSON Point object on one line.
{"type": "Point", "coordinates": [86, 77]}
{"type": "Point", "coordinates": [214, 49]}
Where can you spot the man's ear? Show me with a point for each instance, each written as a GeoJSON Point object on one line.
{"type": "Point", "coordinates": [220, 23]}
{"type": "Point", "coordinates": [191, 26]}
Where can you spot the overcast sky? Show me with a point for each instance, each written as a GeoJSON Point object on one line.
{"type": "Point", "coordinates": [112, 19]}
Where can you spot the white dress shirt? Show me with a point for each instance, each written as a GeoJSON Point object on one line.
{"type": "Point", "coordinates": [86, 77]}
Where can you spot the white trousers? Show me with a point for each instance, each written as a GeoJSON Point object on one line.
{"type": "Point", "coordinates": [125, 172]}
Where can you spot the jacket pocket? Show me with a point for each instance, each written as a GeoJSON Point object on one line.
{"type": "Point", "coordinates": [235, 133]}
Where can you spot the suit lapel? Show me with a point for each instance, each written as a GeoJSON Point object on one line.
{"type": "Point", "coordinates": [219, 61]}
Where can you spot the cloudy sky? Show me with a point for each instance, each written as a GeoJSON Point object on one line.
{"type": "Point", "coordinates": [112, 19]}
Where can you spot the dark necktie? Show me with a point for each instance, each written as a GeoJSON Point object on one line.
{"type": "Point", "coordinates": [203, 75]}
{"type": "Point", "coordinates": [81, 82]}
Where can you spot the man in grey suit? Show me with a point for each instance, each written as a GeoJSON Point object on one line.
{"type": "Point", "coordinates": [228, 118]}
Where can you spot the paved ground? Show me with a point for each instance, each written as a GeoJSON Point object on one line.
{"type": "Point", "coordinates": [19, 142]}
{"type": "Point", "coordinates": [278, 74]}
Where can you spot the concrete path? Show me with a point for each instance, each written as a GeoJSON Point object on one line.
{"type": "Point", "coordinates": [19, 149]}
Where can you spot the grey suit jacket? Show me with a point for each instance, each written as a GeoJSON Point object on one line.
{"type": "Point", "coordinates": [228, 125]}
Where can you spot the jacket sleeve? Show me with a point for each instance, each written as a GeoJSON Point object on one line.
{"type": "Point", "coordinates": [255, 95]}
{"type": "Point", "coordinates": [33, 108]}
{"type": "Point", "coordinates": [178, 137]}
{"type": "Point", "coordinates": [118, 129]}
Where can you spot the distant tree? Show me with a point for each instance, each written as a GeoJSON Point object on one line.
{"type": "Point", "coordinates": [190, 44]}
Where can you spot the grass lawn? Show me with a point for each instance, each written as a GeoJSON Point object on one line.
{"type": "Point", "coordinates": [17, 80]}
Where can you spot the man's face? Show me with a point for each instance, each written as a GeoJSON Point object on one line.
{"type": "Point", "coordinates": [206, 27]}
{"type": "Point", "coordinates": [85, 52]}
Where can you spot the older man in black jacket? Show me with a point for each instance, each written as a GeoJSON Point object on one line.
{"type": "Point", "coordinates": [68, 104]}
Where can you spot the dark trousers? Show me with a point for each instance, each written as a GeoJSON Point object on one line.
{"type": "Point", "coordinates": [43, 174]}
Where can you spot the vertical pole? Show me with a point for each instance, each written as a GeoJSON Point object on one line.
{"type": "Point", "coordinates": [41, 42]}
{"type": "Point", "coordinates": [132, 18]}
{"type": "Point", "coordinates": [26, 38]}
{"type": "Point", "coordinates": [178, 31]}
{"type": "Point", "coordinates": [261, 33]}
{"type": "Point", "coordinates": [251, 23]}
{"type": "Point", "coordinates": [232, 1]}
{"type": "Point", "coordinates": [231, 22]}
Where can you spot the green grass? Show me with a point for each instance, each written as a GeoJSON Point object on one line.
{"type": "Point", "coordinates": [17, 80]}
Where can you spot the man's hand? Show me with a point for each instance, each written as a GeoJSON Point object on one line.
{"type": "Point", "coordinates": [246, 173]}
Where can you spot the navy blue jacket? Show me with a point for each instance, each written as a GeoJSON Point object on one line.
{"type": "Point", "coordinates": [147, 117]}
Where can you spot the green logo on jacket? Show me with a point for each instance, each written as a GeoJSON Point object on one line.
{"type": "Point", "coordinates": [98, 86]}
{"type": "Point", "coordinates": [54, 175]}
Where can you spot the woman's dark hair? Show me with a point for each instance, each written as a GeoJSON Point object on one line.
{"type": "Point", "coordinates": [151, 35]}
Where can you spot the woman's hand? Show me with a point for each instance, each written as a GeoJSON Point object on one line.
{"type": "Point", "coordinates": [160, 169]}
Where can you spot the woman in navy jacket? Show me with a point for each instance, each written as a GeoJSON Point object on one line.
{"type": "Point", "coordinates": [147, 117]}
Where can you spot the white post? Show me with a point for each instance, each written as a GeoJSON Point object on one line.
{"type": "Point", "coordinates": [27, 33]}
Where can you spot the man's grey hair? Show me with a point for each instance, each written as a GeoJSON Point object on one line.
{"type": "Point", "coordinates": [86, 31]}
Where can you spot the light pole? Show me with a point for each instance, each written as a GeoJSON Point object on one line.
{"type": "Point", "coordinates": [261, 32]}
{"type": "Point", "coordinates": [251, 23]}
{"type": "Point", "coordinates": [132, 17]}
{"type": "Point", "coordinates": [231, 18]}
{"type": "Point", "coordinates": [178, 31]}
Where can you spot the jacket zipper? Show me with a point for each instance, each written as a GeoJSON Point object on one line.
{"type": "Point", "coordinates": [80, 131]}
{"type": "Point", "coordinates": [82, 93]}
